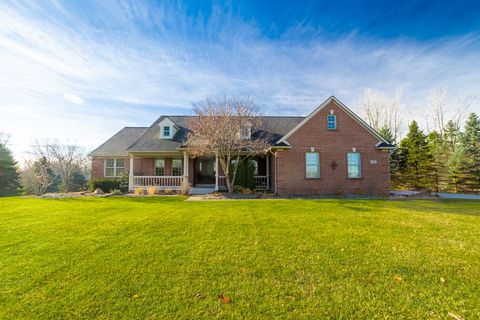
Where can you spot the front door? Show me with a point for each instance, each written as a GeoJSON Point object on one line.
{"type": "Point", "coordinates": [205, 171]}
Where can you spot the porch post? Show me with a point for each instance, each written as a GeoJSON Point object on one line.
{"type": "Point", "coordinates": [216, 172]}
{"type": "Point", "coordinates": [268, 170]}
{"type": "Point", "coordinates": [185, 167]}
{"type": "Point", "coordinates": [130, 174]}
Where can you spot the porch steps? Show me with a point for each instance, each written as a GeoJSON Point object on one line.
{"type": "Point", "coordinates": [201, 190]}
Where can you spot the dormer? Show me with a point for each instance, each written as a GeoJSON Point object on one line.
{"type": "Point", "coordinates": [247, 131]}
{"type": "Point", "coordinates": [168, 129]}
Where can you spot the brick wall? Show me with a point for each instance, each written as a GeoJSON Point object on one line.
{"type": "Point", "coordinates": [332, 145]}
{"type": "Point", "coordinates": [141, 166]}
{"type": "Point", "coordinates": [98, 166]}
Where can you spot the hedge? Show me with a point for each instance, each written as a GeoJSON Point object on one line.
{"type": "Point", "coordinates": [109, 184]}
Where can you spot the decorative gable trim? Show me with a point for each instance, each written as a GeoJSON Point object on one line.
{"type": "Point", "coordinates": [344, 108]}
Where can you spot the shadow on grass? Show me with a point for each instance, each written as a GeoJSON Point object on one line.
{"type": "Point", "coordinates": [443, 206]}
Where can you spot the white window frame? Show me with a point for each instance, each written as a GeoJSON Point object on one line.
{"type": "Point", "coordinates": [317, 165]}
{"type": "Point", "coordinates": [155, 167]}
{"type": "Point", "coordinates": [169, 131]}
{"type": "Point", "coordinates": [181, 168]}
{"type": "Point", "coordinates": [359, 165]}
{"type": "Point", "coordinates": [334, 117]}
{"type": "Point", "coordinates": [115, 167]}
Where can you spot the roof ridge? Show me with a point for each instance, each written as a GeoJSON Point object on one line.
{"type": "Point", "coordinates": [269, 116]}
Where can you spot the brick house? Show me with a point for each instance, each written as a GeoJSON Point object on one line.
{"type": "Point", "coordinates": [331, 151]}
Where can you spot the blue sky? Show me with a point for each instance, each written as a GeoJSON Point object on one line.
{"type": "Point", "coordinates": [79, 71]}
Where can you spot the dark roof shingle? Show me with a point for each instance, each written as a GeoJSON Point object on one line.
{"type": "Point", "coordinates": [274, 126]}
{"type": "Point", "coordinates": [117, 145]}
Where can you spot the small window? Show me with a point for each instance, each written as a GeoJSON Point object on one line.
{"type": "Point", "coordinates": [166, 131]}
{"type": "Point", "coordinates": [332, 122]}
{"type": "Point", "coordinates": [312, 161]}
{"type": "Point", "coordinates": [247, 132]}
{"type": "Point", "coordinates": [176, 167]}
{"type": "Point", "coordinates": [255, 166]}
{"type": "Point", "coordinates": [354, 165]}
{"type": "Point", "coordinates": [160, 167]}
{"type": "Point", "coordinates": [114, 167]}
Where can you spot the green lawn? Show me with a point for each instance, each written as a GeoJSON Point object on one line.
{"type": "Point", "coordinates": [299, 259]}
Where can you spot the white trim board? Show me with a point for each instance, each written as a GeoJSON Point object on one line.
{"type": "Point", "coordinates": [344, 108]}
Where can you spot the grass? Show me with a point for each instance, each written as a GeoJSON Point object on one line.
{"type": "Point", "coordinates": [151, 258]}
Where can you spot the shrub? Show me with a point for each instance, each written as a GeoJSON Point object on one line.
{"type": "Point", "coordinates": [106, 185]}
{"type": "Point", "coordinates": [117, 192]}
{"type": "Point", "coordinates": [151, 191]}
{"type": "Point", "coordinates": [185, 188]}
{"type": "Point", "coordinates": [109, 184]}
{"type": "Point", "coordinates": [168, 191]}
{"type": "Point", "coordinates": [245, 176]}
{"type": "Point", "coordinates": [124, 182]}
{"type": "Point", "coordinates": [139, 191]}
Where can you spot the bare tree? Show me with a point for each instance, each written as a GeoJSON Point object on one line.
{"type": "Point", "coordinates": [64, 158]}
{"type": "Point", "coordinates": [227, 128]}
{"type": "Point", "coordinates": [4, 138]}
{"type": "Point", "coordinates": [35, 178]}
{"type": "Point", "coordinates": [445, 109]}
{"type": "Point", "coordinates": [383, 112]}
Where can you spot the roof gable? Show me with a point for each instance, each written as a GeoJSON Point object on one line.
{"type": "Point", "coordinates": [341, 106]}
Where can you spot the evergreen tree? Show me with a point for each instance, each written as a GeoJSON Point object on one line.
{"type": "Point", "coordinates": [470, 154]}
{"type": "Point", "coordinates": [395, 157]}
{"type": "Point", "coordinates": [450, 155]}
{"type": "Point", "coordinates": [387, 134]}
{"type": "Point", "coordinates": [451, 135]}
{"type": "Point", "coordinates": [418, 159]}
{"type": "Point", "coordinates": [440, 156]}
{"type": "Point", "coordinates": [8, 172]}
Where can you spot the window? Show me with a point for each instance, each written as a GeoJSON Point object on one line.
{"type": "Point", "coordinates": [255, 167]}
{"type": "Point", "coordinates": [160, 167]}
{"type": "Point", "coordinates": [247, 132]}
{"type": "Point", "coordinates": [166, 131]}
{"type": "Point", "coordinates": [332, 122]}
{"type": "Point", "coordinates": [176, 167]}
{"type": "Point", "coordinates": [114, 167]}
{"type": "Point", "coordinates": [312, 165]}
{"type": "Point", "coordinates": [120, 167]}
{"type": "Point", "coordinates": [354, 165]}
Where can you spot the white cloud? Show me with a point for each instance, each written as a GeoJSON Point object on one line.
{"type": "Point", "coordinates": [134, 62]}
{"type": "Point", "coordinates": [73, 98]}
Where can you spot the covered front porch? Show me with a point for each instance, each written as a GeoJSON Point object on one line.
{"type": "Point", "coordinates": [174, 171]}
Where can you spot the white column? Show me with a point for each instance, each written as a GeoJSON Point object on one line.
{"type": "Point", "coordinates": [185, 167]}
{"type": "Point", "coordinates": [268, 170]}
{"type": "Point", "coordinates": [216, 172]}
{"type": "Point", "coordinates": [130, 174]}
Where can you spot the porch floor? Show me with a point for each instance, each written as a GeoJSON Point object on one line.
{"type": "Point", "coordinates": [201, 190]}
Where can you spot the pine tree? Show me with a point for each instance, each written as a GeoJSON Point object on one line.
{"type": "Point", "coordinates": [439, 169]}
{"type": "Point", "coordinates": [470, 154]}
{"type": "Point", "coordinates": [8, 172]}
{"type": "Point", "coordinates": [418, 158]}
{"type": "Point", "coordinates": [450, 156]}
{"type": "Point", "coordinates": [395, 158]}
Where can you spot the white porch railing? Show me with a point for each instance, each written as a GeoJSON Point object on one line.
{"type": "Point", "coordinates": [162, 182]}
{"type": "Point", "coordinates": [261, 182]}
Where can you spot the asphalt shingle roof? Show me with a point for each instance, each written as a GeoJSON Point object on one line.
{"type": "Point", "coordinates": [276, 127]}
{"type": "Point", "coordinates": [117, 145]}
